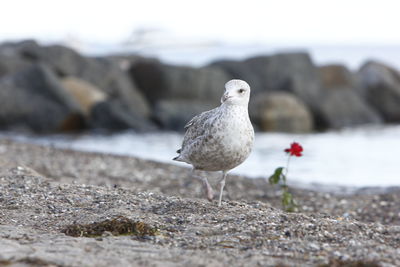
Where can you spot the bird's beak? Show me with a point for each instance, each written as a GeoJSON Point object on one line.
{"type": "Point", "coordinates": [224, 97]}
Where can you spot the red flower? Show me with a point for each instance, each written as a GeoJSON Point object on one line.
{"type": "Point", "coordinates": [295, 149]}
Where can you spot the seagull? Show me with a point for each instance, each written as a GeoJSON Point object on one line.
{"type": "Point", "coordinates": [219, 139]}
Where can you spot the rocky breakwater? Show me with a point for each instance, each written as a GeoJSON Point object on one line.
{"type": "Point", "coordinates": [290, 88]}
{"type": "Point", "coordinates": [53, 88]}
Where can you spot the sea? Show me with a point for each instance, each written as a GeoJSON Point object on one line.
{"type": "Point", "coordinates": [356, 157]}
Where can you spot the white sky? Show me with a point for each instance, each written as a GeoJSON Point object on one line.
{"type": "Point", "coordinates": [280, 21]}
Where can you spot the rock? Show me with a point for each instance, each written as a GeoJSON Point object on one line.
{"type": "Point", "coordinates": [174, 114]}
{"type": "Point", "coordinates": [344, 108]}
{"type": "Point", "coordinates": [159, 81]}
{"type": "Point", "coordinates": [290, 72]}
{"type": "Point", "coordinates": [85, 94]}
{"type": "Point", "coordinates": [178, 93]}
{"type": "Point", "coordinates": [281, 112]}
{"type": "Point", "coordinates": [380, 84]}
{"type": "Point", "coordinates": [34, 99]}
{"type": "Point", "coordinates": [126, 61]}
{"type": "Point", "coordinates": [240, 70]}
{"type": "Point", "coordinates": [340, 105]}
{"type": "Point", "coordinates": [114, 115]}
{"type": "Point", "coordinates": [10, 60]}
{"type": "Point", "coordinates": [11, 64]}
{"type": "Point", "coordinates": [15, 48]}
{"type": "Point", "coordinates": [336, 76]}
{"type": "Point", "coordinates": [123, 88]}
{"type": "Point", "coordinates": [104, 73]}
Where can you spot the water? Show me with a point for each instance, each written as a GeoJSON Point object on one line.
{"type": "Point", "coordinates": [366, 156]}
{"type": "Point", "coordinates": [352, 56]}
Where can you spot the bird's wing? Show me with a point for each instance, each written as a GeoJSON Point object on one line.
{"type": "Point", "coordinates": [199, 119]}
{"type": "Point", "coordinates": [196, 127]}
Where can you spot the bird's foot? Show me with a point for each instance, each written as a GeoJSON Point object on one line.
{"type": "Point", "coordinates": [220, 199]}
{"type": "Point", "coordinates": [209, 193]}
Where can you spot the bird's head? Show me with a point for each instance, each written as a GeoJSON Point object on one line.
{"type": "Point", "coordinates": [237, 92]}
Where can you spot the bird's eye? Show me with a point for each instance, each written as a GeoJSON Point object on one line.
{"type": "Point", "coordinates": [241, 91]}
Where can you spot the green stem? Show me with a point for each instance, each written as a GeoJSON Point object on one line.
{"type": "Point", "coordinates": [286, 170]}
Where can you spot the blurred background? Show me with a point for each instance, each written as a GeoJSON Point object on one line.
{"type": "Point", "coordinates": [125, 76]}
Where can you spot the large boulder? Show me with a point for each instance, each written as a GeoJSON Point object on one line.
{"type": "Point", "coordinates": [290, 72]}
{"type": "Point", "coordinates": [240, 70]}
{"type": "Point", "coordinates": [114, 115]}
{"type": "Point", "coordinates": [336, 76]}
{"type": "Point", "coordinates": [178, 93]}
{"type": "Point", "coordinates": [34, 99]}
{"type": "Point", "coordinates": [84, 93]}
{"type": "Point", "coordinates": [10, 64]}
{"type": "Point", "coordinates": [340, 104]}
{"type": "Point", "coordinates": [281, 112]}
{"type": "Point", "coordinates": [380, 85]}
{"type": "Point", "coordinates": [102, 112]}
{"type": "Point", "coordinates": [10, 60]}
{"type": "Point", "coordinates": [126, 61]}
{"type": "Point", "coordinates": [173, 114]}
{"type": "Point", "coordinates": [160, 81]}
{"type": "Point", "coordinates": [104, 73]}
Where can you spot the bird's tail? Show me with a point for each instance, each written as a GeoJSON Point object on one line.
{"type": "Point", "coordinates": [178, 157]}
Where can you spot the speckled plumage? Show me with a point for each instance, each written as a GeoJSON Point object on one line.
{"type": "Point", "coordinates": [220, 139]}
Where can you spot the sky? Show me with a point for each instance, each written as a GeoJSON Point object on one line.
{"type": "Point", "coordinates": [250, 21]}
{"type": "Point", "coordinates": [198, 32]}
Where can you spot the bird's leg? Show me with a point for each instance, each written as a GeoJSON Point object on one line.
{"type": "Point", "coordinates": [221, 186]}
{"type": "Point", "coordinates": [207, 186]}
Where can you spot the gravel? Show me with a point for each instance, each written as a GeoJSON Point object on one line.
{"type": "Point", "coordinates": [43, 190]}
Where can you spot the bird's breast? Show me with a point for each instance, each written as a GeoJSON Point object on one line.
{"type": "Point", "coordinates": [227, 143]}
{"type": "Point", "coordinates": [234, 141]}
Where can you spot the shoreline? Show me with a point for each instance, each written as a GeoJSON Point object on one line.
{"type": "Point", "coordinates": [44, 189]}
{"type": "Point", "coordinates": [347, 159]}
